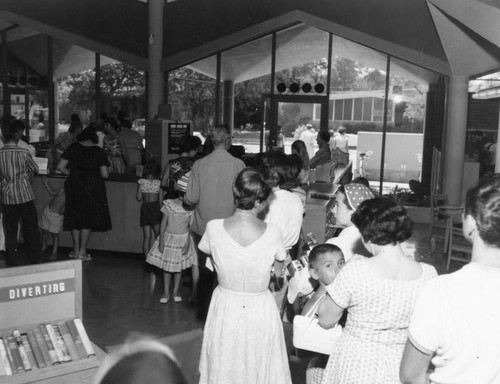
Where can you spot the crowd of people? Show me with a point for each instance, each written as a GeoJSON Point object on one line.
{"type": "Point", "coordinates": [87, 156]}
{"type": "Point", "coordinates": [238, 227]}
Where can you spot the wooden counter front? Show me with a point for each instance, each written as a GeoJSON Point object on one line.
{"type": "Point", "coordinates": [124, 209]}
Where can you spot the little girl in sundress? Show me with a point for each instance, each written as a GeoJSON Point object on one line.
{"type": "Point", "coordinates": [173, 250]}
{"type": "Point", "coordinates": [150, 193]}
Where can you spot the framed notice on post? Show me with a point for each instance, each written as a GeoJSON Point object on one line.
{"type": "Point", "coordinates": [176, 132]}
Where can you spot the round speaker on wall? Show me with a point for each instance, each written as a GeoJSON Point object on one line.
{"type": "Point", "coordinates": [319, 88]}
{"type": "Point", "coordinates": [13, 80]}
{"type": "Point", "coordinates": [294, 87]}
{"type": "Point", "coordinates": [306, 88]}
{"type": "Point", "coordinates": [22, 80]}
{"type": "Point", "coordinates": [32, 81]}
{"type": "Point", "coordinates": [281, 87]}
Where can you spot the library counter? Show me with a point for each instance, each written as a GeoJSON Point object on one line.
{"type": "Point", "coordinates": [124, 209]}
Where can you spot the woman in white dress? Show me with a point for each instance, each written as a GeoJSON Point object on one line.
{"type": "Point", "coordinates": [243, 336]}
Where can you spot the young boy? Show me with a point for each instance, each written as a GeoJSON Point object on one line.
{"type": "Point", "coordinates": [325, 261]}
{"type": "Point", "coordinates": [16, 166]}
{"type": "Point", "coordinates": [52, 217]}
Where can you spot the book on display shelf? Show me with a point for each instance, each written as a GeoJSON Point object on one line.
{"type": "Point", "coordinates": [16, 362]}
{"type": "Point", "coordinates": [6, 369]}
{"type": "Point", "coordinates": [42, 345]}
{"type": "Point", "coordinates": [36, 348]}
{"type": "Point", "coordinates": [68, 340]}
{"type": "Point", "coordinates": [22, 352]}
{"type": "Point", "coordinates": [54, 358]}
{"type": "Point", "coordinates": [76, 338]}
{"type": "Point", "coordinates": [38, 306]}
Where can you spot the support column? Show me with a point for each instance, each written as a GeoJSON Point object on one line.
{"type": "Point", "coordinates": [155, 82]}
{"type": "Point", "coordinates": [97, 85]}
{"type": "Point", "coordinates": [53, 125]}
{"type": "Point", "coordinates": [228, 106]}
{"type": "Point", "coordinates": [5, 85]}
{"type": "Point", "coordinates": [455, 138]}
{"type": "Point", "coordinates": [497, 153]}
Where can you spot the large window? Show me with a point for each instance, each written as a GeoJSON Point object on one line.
{"type": "Point", "coordinates": [357, 91]}
{"type": "Point", "coordinates": [246, 73]}
{"type": "Point", "coordinates": [192, 94]}
{"type": "Point", "coordinates": [301, 70]}
{"type": "Point", "coordinates": [408, 86]}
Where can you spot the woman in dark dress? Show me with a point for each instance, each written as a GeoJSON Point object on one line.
{"type": "Point", "coordinates": [86, 165]}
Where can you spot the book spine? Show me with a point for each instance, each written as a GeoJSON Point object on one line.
{"type": "Point", "coordinates": [22, 351]}
{"type": "Point", "coordinates": [68, 340]}
{"type": "Point", "coordinates": [16, 356]}
{"type": "Point", "coordinates": [55, 342]}
{"type": "Point", "coordinates": [50, 346]}
{"type": "Point", "coordinates": [40, 340]}
{"type": "Point", "coordinates": [29, 351]}
{"type": "Point", "coordinates": [76, 338]}
{"type": "Point", "coordinates": [62, 344]}
{"type": "Point", "coordinates": [85, 338]}
{"type": "Point", "coordinates": [8, 353]}
{"type": "Point", "coordinates": [37, 349]}
{"type": "Point", "coordinates": [5, 361]}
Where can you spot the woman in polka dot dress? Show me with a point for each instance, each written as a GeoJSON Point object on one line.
{"type": "Point", "coordinates": [379, 294]}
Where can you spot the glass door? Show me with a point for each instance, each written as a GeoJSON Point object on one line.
{"type": "Point", "coordinates": [290, 116]}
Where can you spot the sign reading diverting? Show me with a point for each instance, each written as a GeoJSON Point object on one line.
{"type": "Point", "coordinates": [38, 289]}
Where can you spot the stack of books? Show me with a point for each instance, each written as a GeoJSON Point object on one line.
{"type": "Point", "coordinates": [44, 346]}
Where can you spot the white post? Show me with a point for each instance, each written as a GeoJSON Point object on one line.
{"type": "Point", "coordinates": [456, 133]}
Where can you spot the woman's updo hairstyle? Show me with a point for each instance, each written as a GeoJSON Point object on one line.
{"type": "Point", "coordinates": [382, 221]}
{"type": "Point", "coordinates": [249, 187]}
{"type": "Point", "coordinates": [483, 204]}
{"type": "Point", "coordinates": [88, 133]}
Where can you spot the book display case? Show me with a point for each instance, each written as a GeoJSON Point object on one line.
{"type": "Point", "coordinates": [34, 296]}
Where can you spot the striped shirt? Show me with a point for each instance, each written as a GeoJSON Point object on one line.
{"type": "Point", "coordinates": [15, 163]}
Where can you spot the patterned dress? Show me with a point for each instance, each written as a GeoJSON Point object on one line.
{"type": "Point", "coordinates": [114, 151]}
{"type": "Point", "coordinates": [177, 234]}
{"type": "Point", "coordinates": [371, 346]}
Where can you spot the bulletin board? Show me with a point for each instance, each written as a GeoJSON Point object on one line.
{"type": "Point", "coordinates": [176, 131]}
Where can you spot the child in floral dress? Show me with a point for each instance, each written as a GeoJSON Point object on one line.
{"type": "Point", "coordinates": [173, 251]}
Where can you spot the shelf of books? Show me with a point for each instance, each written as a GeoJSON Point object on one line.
{"type": "Point", "coordinates": [42, 336]}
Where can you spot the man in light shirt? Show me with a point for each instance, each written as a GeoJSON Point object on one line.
{"type": "Point", "coordinates": [210, 189]}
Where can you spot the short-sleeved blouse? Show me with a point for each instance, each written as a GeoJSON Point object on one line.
{"type": "Point", "coordinates": [149, 185]}
{"type": "Point", "coordinates": [242, 268]}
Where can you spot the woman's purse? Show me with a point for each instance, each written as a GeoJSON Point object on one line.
{"type": "Point", "coordinates": [310, 336]}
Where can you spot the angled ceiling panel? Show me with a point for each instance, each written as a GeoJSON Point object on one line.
{"type": "Point", "coordinates": [482, 18]}
{"type": "Point", "coordinates": [467, 55]}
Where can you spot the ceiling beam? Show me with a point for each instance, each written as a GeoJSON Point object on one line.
{"type": "Point", "coordinates": [138, 62]}
{"type": "Point", "coordinates": [296, 17]}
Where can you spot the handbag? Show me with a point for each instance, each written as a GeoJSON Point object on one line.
{"type": "Point", "coordinates": [310, 336]}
